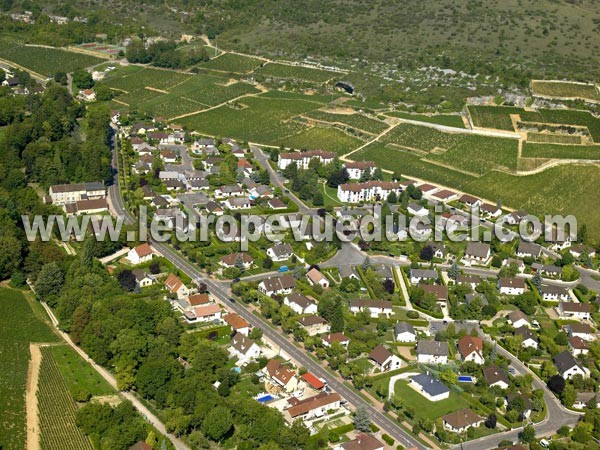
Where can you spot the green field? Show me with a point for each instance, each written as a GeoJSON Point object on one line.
{"type": "Point", "coordinates": [565, 117]}
{"type": "Point", "coordinates": [560, 151]}
{"type": "Point", "coordinates": [565, 89]}
{"type": "Point", "coordinates": [136, 78]}
{"type": "Point", "coordinates": [356, 121]}
{"type": "Point", "coordinates": [211, 90]}
{"type": "Point", "coordinates": [290, 95]}
{"type": "Point", "coordinates": [323, 138]}
{"type": "Point", "coordinates": [284, 71]}
{"type": "Point", "coordinates": [424, 408]}
{"type": "Point", "coordinates": [497, 117]}
{"type": "Point", "coordinates": [77, 373]}
{"type": "Point", "coordinates": [229, 62]}
{"type": "Point", "coordinates": [47, 61]}
{"type": "Point", "coordinates": [448, 120]}
{"type": "Point", "coordinates": [19, 326]}
{"type": "Point", "coordinates": [57, 409]}
{"type": "Point", "coordinates": [261, 119]}
{"type": "Point", "coordinates": [553, 138]}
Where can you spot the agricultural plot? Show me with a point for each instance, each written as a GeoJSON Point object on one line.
{"type": "Point", "coordinates": [356, 121]}
{"type": "Point", "coordinates": [560, 151]}
{"type": "Point", "coordinates": [47, 61]}
{"type": "Point", "coordinates": [211, 90]}
{"type": "Point", "coordinates": [421, 138]}
{"type": "Point", "coordinates": [496, 117]}
{"type": "Point", "coordinates": [19, 325]}
{"type": "Point", "coordinates": [322, 138]}
{"type": "Point", "coordinates": [230, 62]}
{"type": "Point", "coordinates": [260, 119]}
{"type": "Point", "coordinates": [287, 95]}
{"type": "Point", "coordinates": [565, 117]}
{"type": "Point", "coordinates": [57, 410]}
{"type": "Point", "coordinates": [448, 120]}
{"type": "Point", "coordinates": [563, 89]}
{"type": "Point", "coordinates": [284, 71]}
{"type": "Point", "coordinates": [135, 78]}
{"type": "Point", "coordinates": [169, 105]}
{"type": "Point", "coordinates": [553, 138]}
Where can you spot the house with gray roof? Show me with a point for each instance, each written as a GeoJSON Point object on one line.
{"type": "Point", "coordinates": [429, 387]}
{"type": "Point", "coordinates": [404, 332]}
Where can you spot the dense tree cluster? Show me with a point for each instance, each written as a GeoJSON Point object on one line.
{"type": "Point", "coordinates": [164, 54]}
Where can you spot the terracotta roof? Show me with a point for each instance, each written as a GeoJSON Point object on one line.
{"type": "Point", "coordinates": [580, 328]}
{"type": "Point", "coordinates": [308, 321]}
{"type": "Point", "coordinates": [578, 343]}
{"type": "Point", "coordinates": [363, 442]}
{"type": "Point", "coordinates": [302, 407]}
{"type": "Point", "coordinates": [232, 258]}
{"type": "Point", "coordinates": [380, 354]}
{"type": "Point", "coordinates": [440, 292]}
{"type": "Point", "coordinates": [517, 283]}
{"type": "Point", "coordinates": [235, 321]}
{"type": "Point", "coordinates": [315, 276]}
{"type": "Point", "coordinates": [314, 382]}
{"type": "Point", "coordinates": [336, 337]}
{"type": "Point", "coordinates": [279, 373]}
{"type": "Point", "coordinates": [362, 165]}
{"type": "Point", "coordinates": [206, 310]}
{"type": "Point", "coordinates": [462, 418]}
{"type": "Point", "coordinates": [469, 344]}
{"type": "Point", "coordinates": [173, 283]}
{"type": "Point", "coordinates": [198, 299]}
{"type": "Point", "coordinates": [143, 250]}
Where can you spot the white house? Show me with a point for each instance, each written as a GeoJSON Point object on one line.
{"type": "Point", "coordinates": [582, 330]}
{"type": "Point", "coordinates": [461, 420]}
{"type": "Point", "coordinates": [140, 254]}
{"type": "Point", "coordinates": [300, 304]}
{"type": "Point", "coordinates": [528, 337]}
{"type": "Point", "coordinates": [567, 366]}
{"type": "Point", "coordinates": [404, 332]}
{"type": "Point", "coordinates": [280, 252]}
{"type": "Point", "coordinates": [277, 285]}
{"type": "Point", "coordinates": [361, 442]}
{"type": "Point", "coordinates": [244, 348]}
{"type": "Point", "coordinates": [315, 277]}
{"type": "Point", "coordinates": [418, 210]}
{"type": "Point", "coordinates": [572, 310]}
{"type": "Point", "coordinates": [511, 286]}
{"type": "Point", "coordinates": [303, 159]}
{"type": "Point", "coordinates": [418, 275]}
{"type": "Point", "coordinates": [203, 313]}
{"type": "Point", "coordinates": [237, 323]}
{"type": "Point", "coordinates": [477, 253]}
{"type": "Point", "coordinates": [554, 293]}
{"type": "Point", "coordinates": [471, 349]}
{"type": "Point", "coordinates": [313, 407]}
{"type": "Point", "coordinates": [429, 387]}
{"type": "Point", "coordinates": [367, 191]}
{"type": "Point", "coordinates": [518, 319]}
{"type": "Point", "coordinates": [529, 250]}
{"type": "Point", "coordinates": [176, 286]}
{"type": "Point", "coordinates": [142, 278]}
{"type": "Point", "coordinates": [314, 325]}
{"type": "Point", "coordinates": [490, 211]}
{"type": "Point", "coordinates": [281, 376]}
{"type": "Point", "coordinates": [356, 169]}
{"type": "Point", "coordinates": [384, 359]}
{"type": "Point", "coordinates": [432, 352]}
{"type": "Point", "coordinates": [71, 193]}
{"type": "Point", "coordinates": [495, 376]}
{"type": "Point", "coordinates": [375, 308]}
{"type": "Point", "coordinates": [578, 346]}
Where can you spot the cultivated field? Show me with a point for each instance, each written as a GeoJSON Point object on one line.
{"type": "Point", "coordinates": [565, 89]}
{"type": "Point", "coordinates": [19, 325]}
{"type": "Point", "coordinates": [47, 61]}
{"type": "Point", "coordinates": [553, 138]}
{"type": "Point", "coordinates": [448, 120]}
{"type": "Point", "coordinates": [57, 409]}
{"type": "Point", "coordinates": [356, 121]}
{"type": "Point", "coordinates": [230, 62]}
{"type": "Point", "coordinates": [323, 138]}
{"type": "Point", "coordinates": [497, 117]}
{"type": "Point", "coordinates": [560, 151]}
{"type": "Point", "coordinates": [276, 70]}
{"type": "Point", "coordinates": [565, 117]}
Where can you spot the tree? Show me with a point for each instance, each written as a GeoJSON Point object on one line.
{"type": "Point", "coordinates": [537, 281]}
{"type": "Point", "coordinates": [491, 421]}
{"type": "Point", "coordinates": [127, 280]}
{"type": "Point", "coordinates": [50, 281]}
{"type": "Point", "coordinates": [337, 317]}
{"type": "Point", "coordinates": [426, 253]}
{"type": "Point", "coordinates": [82, 79]}
{"type": "Point", "coordinates": [557, 384]}
{"type": "Point", "coordinates": [318, 199]}
{"type": "Point", "coordinates": [528, 434]}
{"type": "Point", "coordinates": [568, 395]}
{"type": "Point", "coordinates": [392, 198]}
{"type": "Point", "coordinates": [217, 423]}
{"type": "Point", "coordinates": [362, 419]}
{"type": "Point", "coordinates": [267, 263]}
{"type": "Point", "coordinates": [454, 271]}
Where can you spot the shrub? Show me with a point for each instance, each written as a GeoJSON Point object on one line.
{"type": "Point", "coordinates": [388, 439]}
{"type": "Point", "coordinates": [412, 314]}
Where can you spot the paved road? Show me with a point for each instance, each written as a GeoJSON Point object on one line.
{"type": "Point", "coordinates": [220, 292]}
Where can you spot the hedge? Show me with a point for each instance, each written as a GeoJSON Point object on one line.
{"type": "Point", "coordinates": [388, 439]}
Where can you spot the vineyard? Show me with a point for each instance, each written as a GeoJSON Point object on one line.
{"type": "Point", "coordinates": [560, 151]}
{"type": "Point", "coordinates": [135, 78]}
{"type": "Point", "coordinates": [564, 89]}
{"type": "Point", "coordinates": [356, 121]}
{"type": "Point", "coordinates": [496, 117]}
{"type": "Point", "coordinates": [565, 117]}
{"type": "Point", "coordinates": [315, 138]}
{"type": "Point", "coordinates": [276, 70]}
{"type": "Point", "coordinates": [553, 138]}
{"type": "Point", "coordinates": [230, 62]}
{"type": "Point", "coordinates": [448, 120]}
{"type": "Point", "coordinates": [57, 409]}
{"type": "Point", "coordinates": [47, 61]}
{"type": "Point", "coordinates": [19, 326]}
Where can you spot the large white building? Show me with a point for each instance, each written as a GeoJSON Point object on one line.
{"type": "Point", "coordinates": [303, 159]}
{"type": "Point", "coordinates": [368, 191]}
{"type": "Point", "coordinates": [61, 194]}
{"type": "Point", "coordinates": [356, 169]}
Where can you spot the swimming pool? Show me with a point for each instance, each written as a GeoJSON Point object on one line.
{"type": "Point", "coordinates": [265, 398]}
{"type": "Point", "coordinates": [465, 379]}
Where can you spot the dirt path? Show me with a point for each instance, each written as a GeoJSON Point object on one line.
{"type": "Point", "coordinates": [31, 407]}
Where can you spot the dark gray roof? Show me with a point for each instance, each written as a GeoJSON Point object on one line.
{"type": "Point", "coordinates": [493, 374]}
{"type": "Point", "coordinates": [432, 348]}
{"type": "Point", "coordinates": [477, 249]}
{"type": "Point", "coordinates": [403, 327]}
{"type": "Point", "coordinates": [564, 361]}
{"type": "Point", "coordinates": [429, 384]}
{"type": "Point", "coordinates": [529, 248]}
{"type": "Point", "coordinates": [470, 297]}
{"type": "Point", "coordinates": [424, 273]}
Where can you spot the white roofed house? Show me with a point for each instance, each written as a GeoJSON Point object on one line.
{"type": "Point", "coordinates": [432, 352]}
{"type": "Point", "coordinates": [280, 252]}
{"type": "Point", "coordinates": [315, 277]}
{"type": "Point", "coordinates": [300, 304]}
{"type": "Point", "coordinates": [572, 310]}
{"type": "Point", "coordinates": [375, 308]}
{"type": "Point", "coordinates": [244, 348]}
{"type": "Point", "coordinates": [477, 253]}
{"type": "Point", "coordinates": [511, 286]}
{"type": "Point", "coordinates": [140, 254]}
{"type": "Point", "coordinates": [356, 169]}
{"type": "Point", "coordinates": [384, 359]}
{"type": "Point", "coordinates": [404, 332]}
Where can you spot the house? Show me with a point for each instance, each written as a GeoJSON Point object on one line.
{"type": "Point", "coordinates": [280, 252]}
{"type": "Point", "coordinates": [87, 95]}
{"type": "Point", "coordinates": [418, 210]}
{"type": "Point", "coordinates": [572, 310]}
{"type": "Point", "coordinates": [176, 286]}
{"type": "Point", "coordinates": [330, 339]}
{"type": "Point", "coordinates": [528, 337]}
{"type": "Point", "coordinates": [244, 348]}
{"type": "Point", "coordinates": [470, 201]}
{"type": "Point", "coordinates": [237, 323]}
{"type": "Point", "coordinates": [316, 383]}
{"type": "Point", "coordinates": [303, 159]}
{"type": "Point", "coordinates": [445, 196]}
{"type": "Point", "coordinates": [168, 156]}
{"type": "Point", "coordinates": [71, 193]}
{"type": "Point", "coordinates": [567, 366]}
{"type": "Point", "coordinates": [240, 260]}
{"type": "Point", "coordinates": [585, 399]}
{"type": "Point", "coordinates": [237, 203]}
{"type": "Point", "coordinates": [404, 332]}
{"type": "Point", "coordinates": [440, 292]}
{"type": "Point", "coordinates": [384, 359]}
{"type": "Point", "coordinates": [548, 270]}
{"type": "Point", "coordinates": [375, 308]}
{"type": "Point", "coordinates": [516, 262]}
{"type": "Point", "coordinates": [281, 376]}
{"type": "Point", "coordinates": [580, 250]}
{"type": "Point", "coordinates": [461, 420]}
{"type": "Point", "coordinates": [367, 191]}
{"type": "Point", "coordinates": [470, 280]}
{"type": "Point", "coordinates": [439, 250]}
{"type": "Point", "coordinates": [300, 304]}
{"type": "Point", "coordinates": [495, 376]}
{"type": "Point", "coordinates": [578, 346]}
{"type": "Point", "coordinates": [314, 325]}
{"type": "Point", "coordinates": [515, 217]}
{"type": "Point", "coordinates": [142, 278]}
{"type": "Point", "coordinates": [141, 445]}
{"type": "Point", "coordinates": [582, 330]}
{"type": "Point", "coordinates": [529, 250]}
{"type": "Point", "coordinates": [511, 286]}
{"type": "Point", "coordinates": [203, 313]}
{"type": "Point", "coordinates": [471, 349]}
{"type": "Point", "coordinates": [429, 387]}
{"type": "Point", "coordinates": [94, 206]}
{"type": "Point", "coordinates": [277, 285]}
{"type": "Point", "coordinates": [554, 293]}
{"type": "Point", "coordinates": [244, 167]}
{"type": "Point", "coordinates": [198, 299]}
{"type": "Point", "coordinates": [276, 204]}
{"type": "Point", "coordinates": [427, 189]}
{"type": "Point", "coordinates": [214, 208]}
{"type": "Point", "coordinates": [313, 407]}
{"type": "Point", "coordinates": [362, 441]}
{"type": "Point", "coordinates": [358, 169]}
{"type": "Point", "coordinates": [518, 319]}
{"type": "Point", "coordinates": [526, 401]}
{"type": "Point", "coordinates": [432, 352]}
{"type": "Point", "coordinates": [315, 277]}
{"type": "Point", "coordinates": [418, 275]}
{"type": "Point", "coordinates": [491, 211]}
{"type": "Point", "coordinates": [140, 254]}
{"type": "Point", "coordinates": [477, 253]}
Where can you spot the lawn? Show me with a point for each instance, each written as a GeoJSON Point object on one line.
{"type": "Point", "coordinates": [19, 326]}
{"type": "Point", "coordinates": [449, 120]}
{"type": "Point", "coordinates": [497, 117]}
{"type": "Point", "coordinates": [423, 407]}
{"type": "Point", "coordinates": [78, 374]}
{"type": "Point", "coordinates": [47, 61]}
{"type": "Point", "coordinates": [356, 121]}
{"type": "Point", "coordinates": [324, 138]}
{"type": "Point", "coordinates": [276, 70]}
{"type": "Point", "coordinates": [229, 62]}
{"type": "Point", "coordinates": [559, 151]}
{"type": "Point", "coordinates": [565, 89]}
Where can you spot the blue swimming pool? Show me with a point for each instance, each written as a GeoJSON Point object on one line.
{"type": "Point", "coordinates": [236, 369]}
{"type": "Point", "coordinates": [265, 398]}
{"type": "Point", "coordinates": [465, 378]}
